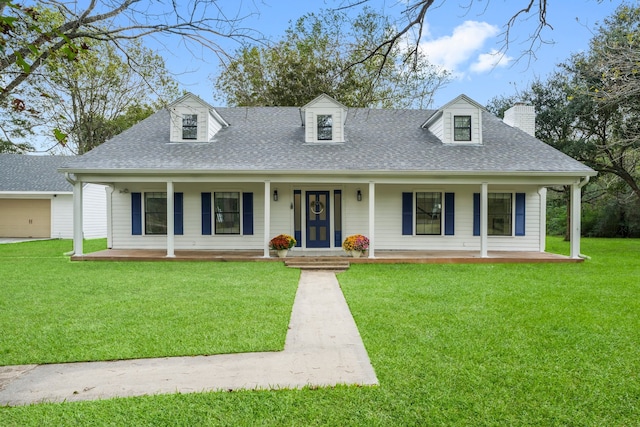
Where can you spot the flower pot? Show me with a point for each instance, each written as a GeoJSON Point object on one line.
{"type": "Point", "coordinates": [282, 253]}
{"type": "Point", "coordinates": [356, 254]}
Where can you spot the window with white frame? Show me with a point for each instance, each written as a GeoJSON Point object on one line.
{"type": "Point", "coordinates": [429, 213]}
{"type": "Point", "coordinates": [499, 206]}
{"type": "Point", "coordinates": [227, 212]}
{"type": "Point", "coordinates": [155, 213]}
{"type": "Point", "coordinates": [325, 127]}
{"type": "Point", "coordinates": [462, 128]}
{"type": "Point", "coordinates": [189, 126]}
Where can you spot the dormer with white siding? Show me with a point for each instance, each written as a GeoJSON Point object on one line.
{"type": "Point", "coordinates": [193, 120]}
{"type": "Point", "coordinates": [458, 122]}
{"type": "Point", "coordinates": [323, 120]}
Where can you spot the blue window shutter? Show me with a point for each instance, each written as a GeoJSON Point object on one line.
{"type": "Point", "coordinates": [449, 214]}
{"type": "Point", "coordinates": [206, 214]}
{"type": "Point", "coordinates": [520, 213]}
{"type": "Point", "coordinates": [178, 222]}
{"type": "Point", "coordinates": [476, 214]}
{"type": "Point", "coordinates": [337, 235]}
{"type": "Point", "coordinates": [407, 214]}
{"type": "Point", "coordinates": [136, 214]}
{"type": "Point", "coordinates": [247, 213]}
{"type": "Point", "coordinates": [297, 233]}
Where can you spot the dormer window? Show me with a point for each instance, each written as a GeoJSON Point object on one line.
{"type": "Point", "coordinates": [324, 120]}
{"type": "Point", "coordinates": [193, 120]}
{"type": "Point", "coordinates": [462, 128]}
{"type": "Point", "coordinates": [189, 126]}
{"type": "Point", "coordinates": [325, 127]}
{"type": "Point", "coordinates": [452, 124]}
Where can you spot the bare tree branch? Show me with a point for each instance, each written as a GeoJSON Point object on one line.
{"type": "Point", "coordinates": [204, 23]}
{"type": "Point", "coordinates": [415, 14]}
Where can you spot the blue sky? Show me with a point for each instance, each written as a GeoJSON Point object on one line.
{"type": "Point", "coordinates": [462, 39]}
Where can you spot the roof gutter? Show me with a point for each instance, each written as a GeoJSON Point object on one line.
{"type": "Point", "coordinates": [350, 172]}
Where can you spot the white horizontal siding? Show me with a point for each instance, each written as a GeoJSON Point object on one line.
{"type": "Point", "coordinates": [437, 128]}
{"type": "Point", "coordinates": [213, 126]}
{"type": "Point", "coordinates": [94, 209]}
{"type": "Point", "coordinates": [62, 216]}
{"type": "Point", "coordinates": [281, 211]}
{"type": "Point", "coordinates": [388, 222]}
{"type": "Point", "coordinates": [94, 213]}
{"type": "Point", "coordinates": [309, 126]}
{"type": "Point", "coordinates": [355, 217]}
{"type": "Point", "coordinates": [192, 219]}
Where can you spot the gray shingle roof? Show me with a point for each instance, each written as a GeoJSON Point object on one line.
{"type": "Point", "coordinates": [20, 172]}
{"type": "Point", "coordinates": [272, 139]}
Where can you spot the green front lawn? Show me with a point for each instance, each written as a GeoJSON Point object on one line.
{"type": "Point", "coordinates": [504, 344]}
{"type": "Point", "coordinates": [54, 310]}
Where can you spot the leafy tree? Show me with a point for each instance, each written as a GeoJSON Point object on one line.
{"type": "Point", "coordinates": [30, 39]}
{"type": "Point", "coordinates": [316, 56]}
{"type": "Point", "coordinates": [606, 94]}
{"type": "Point", "coordinates": [590, 110]}
{"type": "Point", "coordinates": [98, 93]}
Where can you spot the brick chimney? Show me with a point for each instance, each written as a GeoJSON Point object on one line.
{"type": "Point", "coordinates": [521, 116]}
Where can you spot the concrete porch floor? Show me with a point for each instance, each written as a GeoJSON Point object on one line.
{"type": "Point", "coordinates": [382, 257]}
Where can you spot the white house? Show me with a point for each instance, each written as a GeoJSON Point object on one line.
{"type": "Point", "coordinates": [37, 201]}
{"type": "Point", "coordinates": [457, 178]}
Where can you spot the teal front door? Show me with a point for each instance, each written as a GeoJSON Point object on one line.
{"type": "Point", "coordinates": [318, 220]}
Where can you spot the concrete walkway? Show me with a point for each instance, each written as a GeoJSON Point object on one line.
{"type": "Point", "coordinates": [323, 348]}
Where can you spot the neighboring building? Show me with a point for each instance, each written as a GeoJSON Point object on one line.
{"type": "Point", "coordinates": [457, 178]}
{"type": "Point", "coordinates": [37, 201]}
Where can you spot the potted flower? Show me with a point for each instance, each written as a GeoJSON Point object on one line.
{"type": "Point", "coordinates": [282, 243]}
{"type": "Point", "coordinates": [355, 245]}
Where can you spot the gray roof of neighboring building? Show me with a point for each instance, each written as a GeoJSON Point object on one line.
{"type": "Point", "coordinates": [19, 172]}
{"type": "Point", "coordinates": [272, 139]}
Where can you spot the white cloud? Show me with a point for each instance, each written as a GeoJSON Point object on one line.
{"type": "Point", "coordinates": [453, 51]}
{"type": "Point", "coordinates": [489, 61]}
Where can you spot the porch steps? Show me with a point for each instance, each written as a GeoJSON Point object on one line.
{"type": "Point", "coordinates": [308, 263]}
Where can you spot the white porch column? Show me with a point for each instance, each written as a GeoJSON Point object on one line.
{"type": "Point", "coordinates": [372, 217]}
{"type": "Point", "coordinates": [484, 214]}
{"type": "Point", "coordinates": [109, 193]}
{"type": "Point", "coordinates": [170, 221]}
{"type": "Point", "coordinates": [267, 217]}
{"type": "Point", "coordinates": [576, 196]}
{"type": "Point", "coordinates": [542, 192]}
{"type": "Point", "coordinates": [78, 234]}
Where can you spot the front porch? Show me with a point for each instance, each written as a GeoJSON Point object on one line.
{"type": "Point", "coordinates": [381, 256]}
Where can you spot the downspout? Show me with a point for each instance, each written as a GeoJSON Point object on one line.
{"type": "Point", "coordinates": [67, 176]}
{"type": "Point", "coordinates": [71, 181]}
{"type": "Point", "coordinates": [582, 183]}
